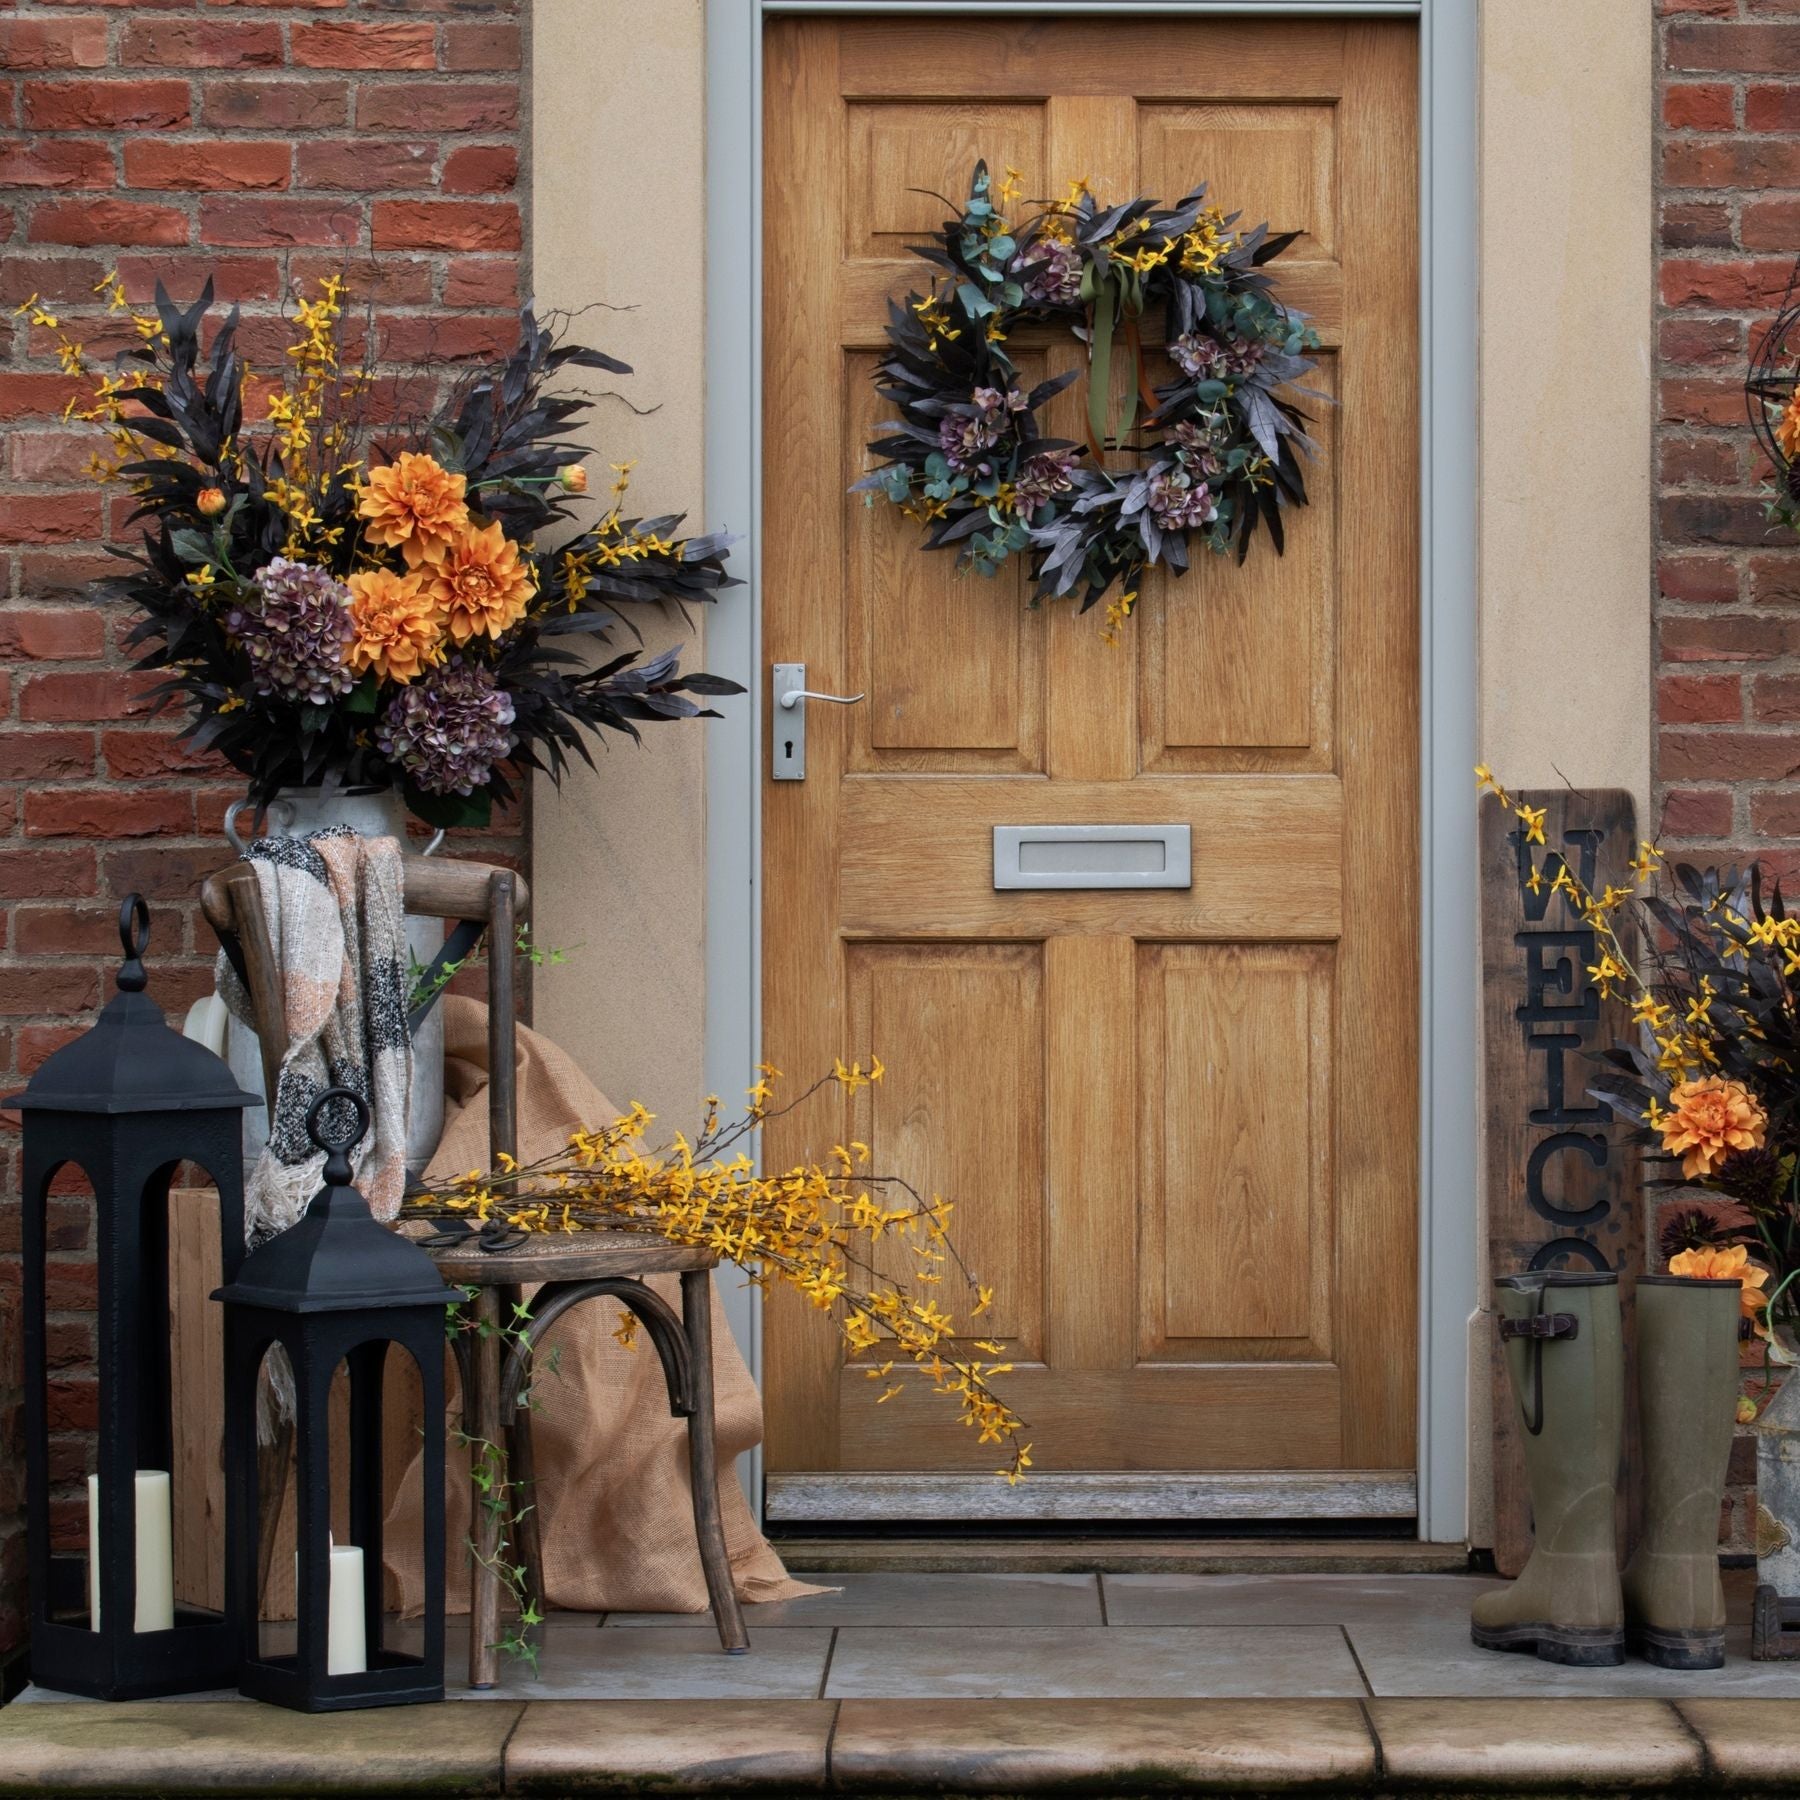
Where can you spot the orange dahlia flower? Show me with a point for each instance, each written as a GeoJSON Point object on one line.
{"type": "Point", "coordinates": [1787, 428]}
{"type": "Point", "coordinates": [1708, 1120]}
{"type": "Point", "coordinates": [479, 583]}
{"type": "Point", "coordinates": [1733, 1264]}
{"type": "Point", "coordinates": [399, 627]}
{"type": "Point", "coordinates": [414, 505]}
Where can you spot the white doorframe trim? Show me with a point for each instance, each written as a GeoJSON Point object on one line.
{"type": "Point", "coordinates": [1448, 69]}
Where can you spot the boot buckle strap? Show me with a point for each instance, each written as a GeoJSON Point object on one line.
{"type": "Point", "coordinates": [1542, 1325]}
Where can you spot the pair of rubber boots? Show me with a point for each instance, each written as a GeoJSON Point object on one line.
{"type": "Point", "coordinates": [1565, 1355]}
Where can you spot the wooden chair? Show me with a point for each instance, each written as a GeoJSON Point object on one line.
{"type": "Point", "coordinates": [496, 1371]}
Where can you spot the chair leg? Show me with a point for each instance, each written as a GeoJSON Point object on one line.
{"type": "Point", "coordinates": [481, 1412]}
{"type": "Point", "coordinates": [703, 1471]}
{"type": "Point", "coordinates": [521, 1472]}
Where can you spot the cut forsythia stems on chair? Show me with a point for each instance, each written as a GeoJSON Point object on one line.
{"type": "Point", "coordinates": [863, 1245]}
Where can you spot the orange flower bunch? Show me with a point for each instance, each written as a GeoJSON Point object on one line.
{"type": "Point", "coordinates": [461, 578]}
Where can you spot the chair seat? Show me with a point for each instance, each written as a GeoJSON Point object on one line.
{"type": "Point", "coordinates": [579, 1256]}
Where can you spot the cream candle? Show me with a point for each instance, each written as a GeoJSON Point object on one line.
{"type": "Point", "coordinates": [346, 1640]}
{"type": "Point", "coordinates": [155, 1552]}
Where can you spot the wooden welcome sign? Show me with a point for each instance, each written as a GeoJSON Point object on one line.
{"type": "Point", "coordinates": [1563, 1179]}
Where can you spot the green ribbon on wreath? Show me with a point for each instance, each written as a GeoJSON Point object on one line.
{"type": "Point", "coordinates": [1112, 293]}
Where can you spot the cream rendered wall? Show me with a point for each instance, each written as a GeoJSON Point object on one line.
{"type": "Point", "coordinates": [1567, 242]}
{"type": "Point", "coordinates": [617, 204]}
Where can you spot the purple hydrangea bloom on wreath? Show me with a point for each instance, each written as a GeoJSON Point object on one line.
{"type": "Point", "coordinates": [1219, 452]}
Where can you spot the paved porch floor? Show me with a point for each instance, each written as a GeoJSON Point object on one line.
{"type": "Point", "coordinates": [914, 1683]}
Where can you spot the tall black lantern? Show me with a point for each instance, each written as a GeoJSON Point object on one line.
{"type": "Point", "coordinates": [127, 1103]}
{"type": "Point", "coordinates": [335, 1288]}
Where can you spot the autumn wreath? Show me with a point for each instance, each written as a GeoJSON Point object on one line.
{"type": "Point", "coordinates": [1219, 447]}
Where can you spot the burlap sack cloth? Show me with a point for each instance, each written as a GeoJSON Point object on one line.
{"type": "Point", "coordinates": [613, 1495]}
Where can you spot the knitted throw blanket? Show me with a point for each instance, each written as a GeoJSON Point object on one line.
{"type": "Point", "coordinates": [337, 923]}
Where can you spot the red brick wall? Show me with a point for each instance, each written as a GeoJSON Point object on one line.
{"type": "Point", "coordinates": [1727, 595]}
{"type": "Point", "coordinates": [270, 144]}
{"type": "Point", "coordinates": [1727, 584]}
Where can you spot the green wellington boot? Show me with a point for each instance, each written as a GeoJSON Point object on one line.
{"type": "Point", "coordinates": [1567, 1363]}
{"type": "Point", "coordinates": [1687, 1371]}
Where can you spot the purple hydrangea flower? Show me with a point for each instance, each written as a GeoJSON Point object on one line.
{"type": "Point", "coordinates": [1041, 479]}
{"type": "Point", "coordinates": [1197, 355]}
{"type": "Point", "coordinates": [449, 728]}
{"type": "Point", "coordinates": [297, 632]}
{"type": "Point", "coordinates": [1178, 503]}
{"type": "Point", "coordinates": [1050, 272]}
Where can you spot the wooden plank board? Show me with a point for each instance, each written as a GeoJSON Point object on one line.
{"type": "Point", "coordinates": [1564, 1186]}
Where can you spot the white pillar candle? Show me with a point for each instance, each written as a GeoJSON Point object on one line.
{"type": "Point", "coordinates": [155, 1552]}
{"type": "Point", "coordinates": [346, 1641]}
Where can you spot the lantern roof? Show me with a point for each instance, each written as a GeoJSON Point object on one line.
{"type": "Point", "coordinates": [338, 1257]}
{"type": "Point", "coordinates": [131, 1060]}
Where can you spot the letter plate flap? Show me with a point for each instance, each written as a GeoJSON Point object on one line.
{"type": "Point", "coordinates": [1093, 856]}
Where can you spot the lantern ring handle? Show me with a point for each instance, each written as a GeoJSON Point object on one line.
{"type": "Point", "coordinates": [338, 1146]}
{"type": "Point", "coordinates": [134, 939]}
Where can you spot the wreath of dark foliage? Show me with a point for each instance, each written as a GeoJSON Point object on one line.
{"type": "Point", "coordinates": [1219, 453]}
{"type": "Point", "coordinates": [501, 430]}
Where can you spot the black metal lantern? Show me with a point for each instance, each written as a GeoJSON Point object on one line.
{"type": "Point", "coordinates": [335, 1288]}
{"type": "Point", "coordinates": [127, 1103]}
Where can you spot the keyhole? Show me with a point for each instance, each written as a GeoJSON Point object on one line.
{"type": "Point", "coordinates": [790, 750]}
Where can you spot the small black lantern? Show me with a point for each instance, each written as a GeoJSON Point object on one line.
{"type": "Point", "coordinates": [127, 1103]}
{"type": "Point", "coordinates": [335, 1288]}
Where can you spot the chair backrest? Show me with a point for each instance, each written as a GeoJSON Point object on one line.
{"type": "Point", "coordinates": [482, 897]}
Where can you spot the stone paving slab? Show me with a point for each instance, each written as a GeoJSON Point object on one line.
{"type": "Point", "coordinates": [184, 1747]}
{"type": "Point", "coordinates": [1466, 1747]}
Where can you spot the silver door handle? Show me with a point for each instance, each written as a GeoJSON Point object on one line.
{"type": "Point", "coordinates": [794, 696]}
{"type": "Point", "coordinates": [787, 682]}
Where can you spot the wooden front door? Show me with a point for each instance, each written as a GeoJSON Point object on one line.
{"type": "Point", "coordinates": [1180, 1127]}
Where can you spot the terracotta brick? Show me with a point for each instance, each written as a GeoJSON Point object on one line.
{"type": "Point", "coordinates": [46, 755]}
{"type": "Point", "coordinates": [29, 395]}
{"type": "Point", "coordinates": [1695, 813]}
{"type": "Point", "coordinates": [48, 518]}
{"type": "Point", "coordinates": [366, 164]}
{"type": "Point", "coordinates": [145, 754]}
{"type": "Point", "coordinates": [234, 278]}
{"type": "Point", "coordinates": [1698, 106]}
{"type": "Point", "coordinates": [1712, 342]}
{"type": "Point", "coordinates": [1750, 48]}
{"type": "Point", "coordinates": [55, 162]}
{"type": "Point", "coordinates": [450, 106]}
{"type": "Point", "coordinates": [343, 45]}
{"type": "Point", "coordinates": [1697, 225]}
{"type": "Point", "coordinates": [1701, 400]}
{"type": "Point", "coordinates": [202, 43]}
{"type": "Point", "coordinates": [50, 635]}
{"type": "Point", "coordinates": [55, 697]}
{"type": "Point", "coordinates": [1729, 755]}
{"type": "Point", "coordinates": [445, 225]}
{"type": "Point", "coordinates": [279, 103]}
{"type": "Point", "coordinates": [252, 223]}
{"type": "Point", "coordinates": [109, 812]}
{"type": "Point", "coordinates": [1728, 637]}
{"type": "Point", "coordinates": [482, 46]}
{"type": "Point", "coordinates": [181, 166]}
{"type": "Point", "coordinates": [481, 281]}
{"type": "Point", "coordinates": [1698, 462]}
{"type": "Point", "coordinates": [69, 930]}
{"type": "Point", "coordinates": [105, 105]}
{"type": "Point", "coordinates": [1707, 520]}
{"type": "Point", "coordinates": [1775, 700]}
{"type": "Point", "coordinates": [50, 276]}
{"type": "Point", "coordinates": [161, 872]}
{"type": "Point", "coordinates": [387, 280]}
{"type": "Point", "coordinates": [1738, 284]}
{"type": "Point", "coordinates": [65, 43]}
{"type": "Point", "coordinates": [481, 169]}
{"type": "Point", "coordinates": [1775, 580]}
{"type": "Point", "coordinates": [1680, 700]}
{"type": "Point", "coordinates": [1772, 108]}
{"type": "Point", "coordinates": [107, 222]}
{"type": "Point", "coordinates": [1775, 814]}
{"type": "Point", "coordinates": [452, 337]}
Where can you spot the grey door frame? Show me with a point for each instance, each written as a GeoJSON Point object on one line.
{"type": "Point", "coordinates": [1448, 81]}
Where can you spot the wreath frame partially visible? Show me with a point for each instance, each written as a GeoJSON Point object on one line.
{"type": "Point", "coordinates": [1221, 446]}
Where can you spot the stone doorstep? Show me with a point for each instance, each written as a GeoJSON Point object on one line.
{"type": "Point", "coordinates": [897, 1748]}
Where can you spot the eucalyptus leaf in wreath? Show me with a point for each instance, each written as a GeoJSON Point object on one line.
{"type": "Point", "coordinates": [1217, 448]}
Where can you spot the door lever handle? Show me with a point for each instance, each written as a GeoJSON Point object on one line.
{"type": "Point", "coordinates": [794, 696]}
{"type": "Point", "coordinates": [787, 683]}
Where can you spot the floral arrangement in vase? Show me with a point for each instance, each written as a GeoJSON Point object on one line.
{"type": "Point", "coordinates": [1711, 968]}
{"type": "Point", "coordinates": [341, 599]}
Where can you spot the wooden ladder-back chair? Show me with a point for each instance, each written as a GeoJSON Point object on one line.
{"type": "Point", "coordinates": [485, 900]}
